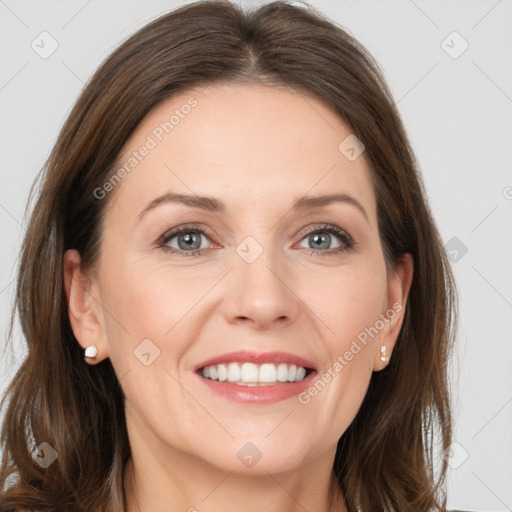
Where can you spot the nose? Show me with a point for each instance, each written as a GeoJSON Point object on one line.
{"type": "Point", "coordinates": [261, 293]}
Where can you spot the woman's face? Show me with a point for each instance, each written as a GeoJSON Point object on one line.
{"type": "Point", "coordinates": [264, 275]}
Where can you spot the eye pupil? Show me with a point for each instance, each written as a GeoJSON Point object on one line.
{"type": "Point", "coordinates": [323, 239]}
{"type": "Point", "coordinates": [190, 240]}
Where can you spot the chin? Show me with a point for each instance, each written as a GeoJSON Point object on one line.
{"type": "Point", "coordinates": [255, 455]}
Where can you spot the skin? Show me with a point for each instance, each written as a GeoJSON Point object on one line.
{"type": "Point", "coordinates": [256, 149]}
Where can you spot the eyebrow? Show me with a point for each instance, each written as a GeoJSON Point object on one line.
{"type": "Point", "coordinates": [312, 202]}
{"type": "Point", "coordinates": [214, 205]}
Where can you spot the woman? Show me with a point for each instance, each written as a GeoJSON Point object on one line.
{"type": "Point", "coordinates": [232, 288]}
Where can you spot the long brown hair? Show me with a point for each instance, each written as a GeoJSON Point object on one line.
{"type": "Point", "coordinates": [385, 459]}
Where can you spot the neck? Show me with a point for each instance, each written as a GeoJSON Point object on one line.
{"type": "Point", "coordinates": [202, 488]}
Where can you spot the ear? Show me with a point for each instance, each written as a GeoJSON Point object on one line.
{"type": "Point", "coordinates": [399, 284]}
{"type": "Point", "coordinates": [85, 312]}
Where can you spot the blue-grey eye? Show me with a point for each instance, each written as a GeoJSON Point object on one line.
{"type": "Point", "coordinates": [186, 240]}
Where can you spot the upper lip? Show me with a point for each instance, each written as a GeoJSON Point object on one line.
{"type": "Point", "coordinates": [243, 356]}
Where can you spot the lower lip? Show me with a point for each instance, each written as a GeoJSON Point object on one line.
{"type": "Point", "coordinates": [258, 394]}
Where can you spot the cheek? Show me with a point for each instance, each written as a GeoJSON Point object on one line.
{"type": "Point", "coordinates": [350, 301]}
{"type": "Point", "coordinates": [348, 306]}
{"type": "Point", "coordinates": [150, 302]}
{"type": "Point", "coordinates": [149, 328]}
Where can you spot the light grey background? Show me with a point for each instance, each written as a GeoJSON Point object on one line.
{"type": "Point", "coordinates": [458, 115]}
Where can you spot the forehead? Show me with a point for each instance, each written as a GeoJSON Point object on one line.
{"type": "Point", "coordinates": [241, 142]}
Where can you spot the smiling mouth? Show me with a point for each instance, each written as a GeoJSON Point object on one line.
{"type": "Point", "coordinates": [251, 374]}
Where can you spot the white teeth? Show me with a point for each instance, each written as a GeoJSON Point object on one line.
{"type": "Point", "coordinates": [253, 374]}
{"type": "Point", "coordinates": [222, 372]}
{"type": "Point", "coordinates": [282, 373]}
{"type": "Point", "coordinates": [267, 373]}
{"type": "Point", "coordinates": [301, 373]}
{"type": "Point", "coordinates": [233, 372]}
{"type": "Point", "coordinates": [249, 372]}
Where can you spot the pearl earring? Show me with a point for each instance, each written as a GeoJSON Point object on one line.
{"type": "Point", "coordinates": [91, 352]}
{"type": "Point", "coordinates": [383, 352]}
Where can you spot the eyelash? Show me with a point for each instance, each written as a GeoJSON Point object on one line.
{"type": "Point", "coordinates": [347, 242]}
